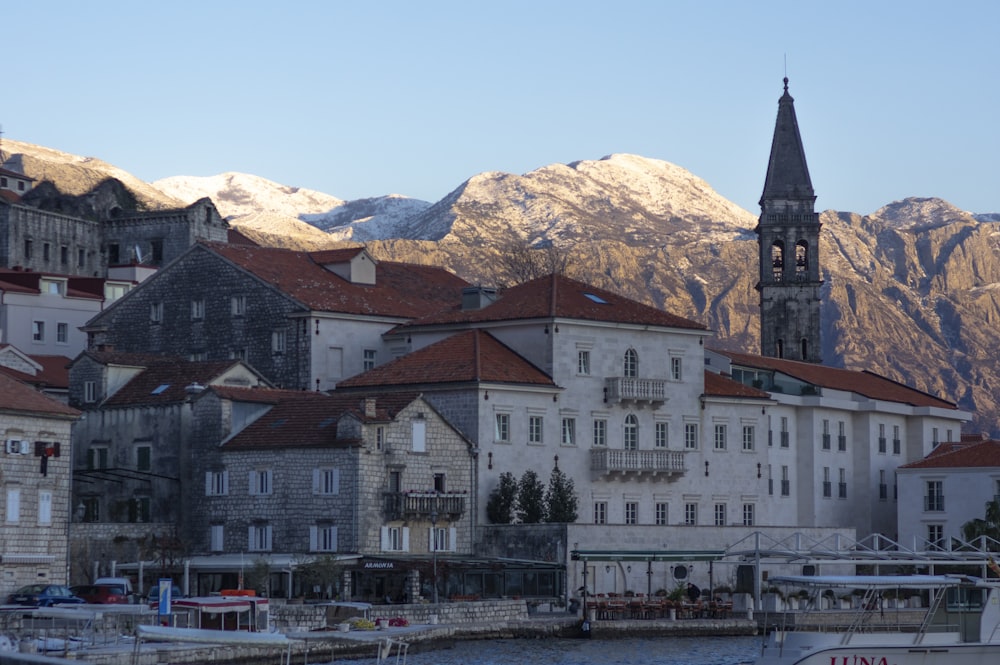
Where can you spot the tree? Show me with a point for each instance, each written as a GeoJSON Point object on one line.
{"type": "Point", "coordinates": [518, 261]}
{"type": "Point", "coordinates": [501, 506]}
{"type": "Point", "coordinates": [530, 498]}
{"type": "Point", "coordinates": [560, 498]}
{"type": "Point", "coordinates": [989, 527]}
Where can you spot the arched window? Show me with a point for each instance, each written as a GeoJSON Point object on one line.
{"type": "Point", "coordinates": [631, 369]}
{"type": "Point", "coordinates": [631, 439]}
{"type": "Point", "coordinates": [801, 259]}
{"type": "Point", "coordinates": [777, 260]}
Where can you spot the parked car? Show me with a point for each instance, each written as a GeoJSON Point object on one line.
{"type": "Point", "coordinates": [44, 595]}
{"type": "Point", "coordinates": [153, 595]}
{"type": "Point", "coordinates": [103, 594]}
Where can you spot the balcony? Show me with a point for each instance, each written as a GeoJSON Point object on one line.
{"type": "Point", "coordinates": [637, 392]}
{"type": "Point", "coordinates": [607, 462]}
{"type": "Point", "coordinates": [420, 505]}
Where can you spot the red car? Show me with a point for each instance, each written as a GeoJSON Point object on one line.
{"type": "Point", "coordinates": [103, 594]}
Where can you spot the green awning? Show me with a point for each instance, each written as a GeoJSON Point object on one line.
{"type": "Point", "coordinates": [647, 555]}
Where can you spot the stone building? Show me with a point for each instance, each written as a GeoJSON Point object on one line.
{"type": "Point", "coordinates": [788, 238]}
{"type": "Point", "coordinates": [132, 460]}
{"type": "Point", "coordinates": [35, 475]}
{"type": "Point", "coordinates": [304, 320]}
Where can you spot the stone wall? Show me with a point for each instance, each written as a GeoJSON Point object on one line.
{"type": "Point", "coordinates": [290, 617]}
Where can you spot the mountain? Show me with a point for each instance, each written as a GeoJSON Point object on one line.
{"type": "Point", "coordinates": [911, 291]}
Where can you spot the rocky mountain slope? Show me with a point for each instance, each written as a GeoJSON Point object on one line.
{"type": "Point", "coordinates": [910, 292]}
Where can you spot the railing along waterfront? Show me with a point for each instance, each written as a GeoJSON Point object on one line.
{"type": "Point", "coordinates": [613, 460]}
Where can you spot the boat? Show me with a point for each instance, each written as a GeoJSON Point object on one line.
{"type": "Point", "coordinates": [960, 624]}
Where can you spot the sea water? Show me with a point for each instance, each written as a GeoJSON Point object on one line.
{"type": "Point", "coordinates": [625, 651]}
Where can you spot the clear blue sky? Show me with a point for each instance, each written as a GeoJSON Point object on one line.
{"type": "Point", "coordinates": [359, 99]}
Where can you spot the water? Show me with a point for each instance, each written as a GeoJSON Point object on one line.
{"type": "Point", "coordinates": [626, 651]}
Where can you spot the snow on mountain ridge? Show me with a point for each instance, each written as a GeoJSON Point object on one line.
{"type": "Point", "coordinates": [241, 194]}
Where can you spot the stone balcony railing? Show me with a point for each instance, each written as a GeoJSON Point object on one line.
{"type": "Point", "coordinates": [623, 389]}
{"type": "Point", "coordinates": [609, 461]}
{"type": "Point", "coordinates": [420, 505]}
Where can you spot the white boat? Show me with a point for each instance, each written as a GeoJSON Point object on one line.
{"type": "Point", "coordinates": [961, 625]}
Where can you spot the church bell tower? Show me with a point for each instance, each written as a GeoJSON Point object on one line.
{"type": "Point", "coordinates": [788, 240]}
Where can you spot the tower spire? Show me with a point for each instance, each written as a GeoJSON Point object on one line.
{"type": "Point", "coordinates": [788, 240]}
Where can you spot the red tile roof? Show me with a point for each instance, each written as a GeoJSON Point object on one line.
{"type": "Point", "coordinates": [9, 196]}
{"type": "Point", "coordinates": [558, 296]}
{"type": "Point", "coordinates": [166, 382]}
{"type": "Point", "coordinates": [19, 397]}
{"type": "Point", "coordinates": [29, 281]}
{"type": "Point", "coordinates": [717, 385]}
{"type": "Point", "coordinates": [982, 455]}
{"type": "Point", "coordinates": [304, 419]}
{"type": "Point", "coordinates": [235, 237]}
{"type": "Point", "coordinates": [401, 289]}
{"type": "Point", "coordinates": [864, 383]}
{"type": "Point", "coordinates": [470, 356]}
{"type": "Point", "coordinates": [54, 372]}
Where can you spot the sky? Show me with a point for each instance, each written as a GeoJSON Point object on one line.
{"type": "Point", "coordinates": [366, 98]}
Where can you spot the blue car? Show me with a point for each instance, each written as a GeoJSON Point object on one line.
{"type": "Point", "coordinates": [44, 595]}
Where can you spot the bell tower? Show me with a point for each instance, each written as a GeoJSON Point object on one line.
{"type": "Point", "coordinates": [788, 240]}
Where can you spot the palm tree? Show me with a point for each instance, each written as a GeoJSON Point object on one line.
{"type": "Point", "coordinates": [988, 528]}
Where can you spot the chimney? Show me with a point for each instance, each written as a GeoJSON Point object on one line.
{"type": "Point", "coordinates": [477, 297]}
{"type": "Point", "coordinates": [369, 407]}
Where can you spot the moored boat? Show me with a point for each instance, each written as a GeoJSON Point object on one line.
{"type": "Point", "coordinates": [961, 625]}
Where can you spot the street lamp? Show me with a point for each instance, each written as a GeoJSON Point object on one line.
{"type": "Point", "coordinates": [434, 552]}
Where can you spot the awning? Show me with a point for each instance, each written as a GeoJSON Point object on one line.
{"type": "Point", "coordinates": [647, 555]}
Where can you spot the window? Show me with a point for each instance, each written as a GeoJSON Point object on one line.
{"type": "Point", "coordinates": [395, 539]}
{"type": "Point", "coordinates": [748, 514]}
{"type": "Point", "coordinates": [631, 438]}
{"type": "Point", "coordinates": [661, 513]}
{"type": "Point", "coordinates": [502, 431]}
{"type": "Point", "coordinates": [81, 257]}
{"type": "Point", "coordinates": [749, 438]}
{"type": "Point", "coordinates": [38, 331]}
{"type": "Point", "coordinates": [97, 457]}
{"type": "Point", "coordinates": [27, 248]}
{"type": "Point", "coordinates": [600, 512]}
{"type": "Point", "coordinates": [379, 438]}
{"type": "Point", "coordinates": [261, 482]}
{"type": "Point", "coordinates": [143, 458]}
{"type": "Point", "coordinates": [52, 287]}
{"type": "Point", "coordinates": [720, 437]}
{"type": "Point", "coordinates": [46, 251]}
{"type": "Point", "coordinates": [439, 482]}
{"type": "Point", "coordinates": [935, 535]}
{"type": "Point", "coordinates": [881, 438]}
{"type": "Point", "coordinates": [934, 437]}
{"type": "Point", "coordinates": [841, 436]}
{"type": "Point", "coordinates": [238, 305]}
{"type": "Point", "coordinates": [156, 249]}
{"type": "Point", "coordinates": [197, 310]}
{"type": "Point", "coordinates": [198, 356]}
{"type": "Point", "coordinates": [114, 254]}
{"type": "Point", "coordinates": [883, 487]}
{"type": "Point", "coordinates": [675, 368]}
{"type": "Point", "coordinates": [842, 485]}
{"type": "Point", "coordinates": [279, 341]}
{"type": "Point", "coordinates": [139, 510]}
{"type": "Point", "coordinates": [583, 363]}
{"type": "Point", "coordinates": [631, 365]}
{"type": "Point", "coordinates": [691, 436]}
{"type": "Point", "coordinates": [895, 440]}
{"type": "Point", "coordinates": [934, 499]}
{"type": "Point", "coordinates": [259, 538]}
{"type": "Point", "coordinates": [600, 432]}
{"type": "Point", "coordinates": [215, 538]}
{"type": "Point", "coordinates": [691, 514]}
{"type": "Point", "coordinates": [418, 431]}
{"type": "Point", "coordinates": [770, 480]}
{"type": "Point", "coordinates": [156, 312]}
{"type": "Point", "coordinates": [569, 431]}
{"type": "Point", "coordinates": [535, 430]}
{"type": "Point", "coordinates": [89, 391]}
{"type": "Point", "coordinates": [62, 333]}
{"type": "Point", "coordinates": [827, 484]}
{"type": "Point", "coordinates": [786, 484]}
{"type": "Point", "coordinates": [91, 509]}
{"type": "Point", "coordinates": [826, 435]}
{"type": "Point", "coordinates": [64, 255]}
{"type": "Point", "coordinates": [631, 512]}
{"type": "Point", "coordinates": [216, 483]}
{"type": "Point", "coordinates": [720, 514]}
{"type": "Point", "coordinates": [326, 481]}
{"type": "Point", "coordinates": [369, 359]}
{"type": "Point", "coordinates": [44, 507]}
{"type": "Point", "coordinates": [661, 435]}
{"type": "Point", "coordinates": [323, 538]}
{"type": "Point", "coordinates": [784, 431]}
{"type": "Point", "coordinates": [13, 505]}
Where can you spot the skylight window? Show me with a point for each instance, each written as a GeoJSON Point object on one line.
{"type": "Point", "coordinates": [598, 299]}
{"type": "Point", "coordinates": [278, 423]}
{"type": "Point", "coordinates": [160, 388]}
{"type": "Point", "coordinates": [327, 422]}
